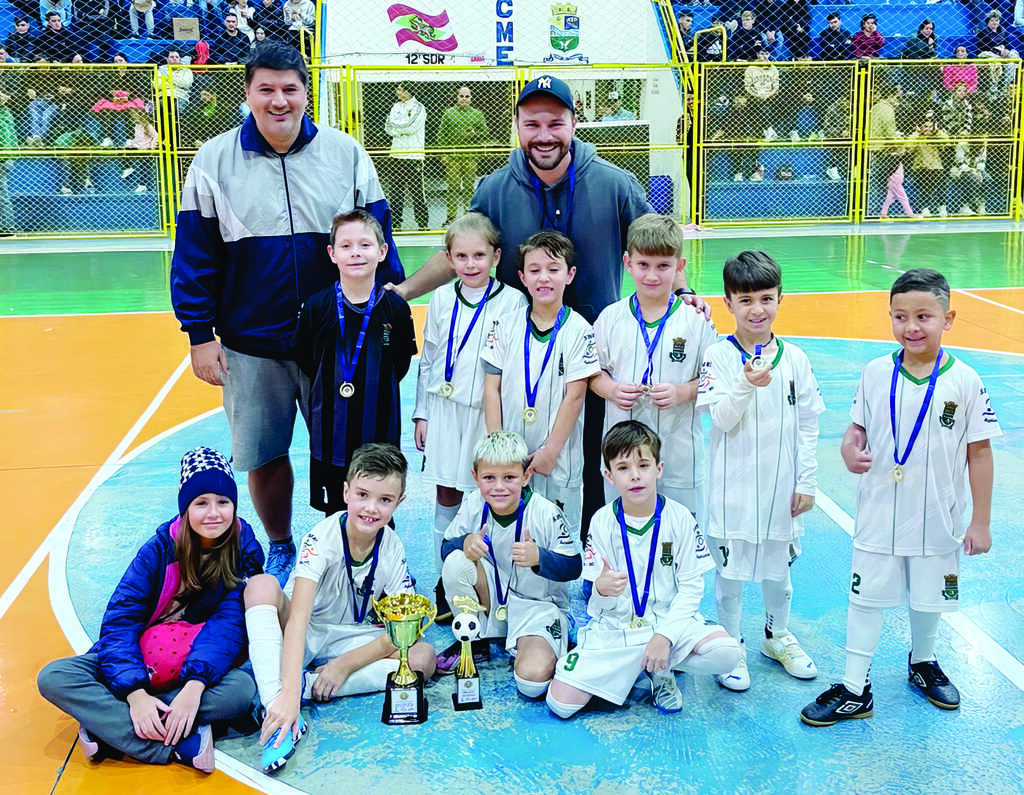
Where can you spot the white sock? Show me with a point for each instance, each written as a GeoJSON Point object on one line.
{"type": "Point", "coordinates": [716, 656]}
{"type": "Point", "coordinates": [729, 598]}
{"type": "Point", "coordinates": [562, 709]}
{"type": "Point", "coordinates": [443, 516]}
{"type": "Point", "coordinates": [863, 629]}
{"type": "Point", "coordinates": [529, 688]}
{"type": "Point", "coordinates": [778, 596]}
{"type": "Point", "coordinates": [458, 573]}
{"type": "Point", "coordinates": [265, 638]}
{"type": "Point", "coordinates": [923, 629]}
{"type": "Point", "coordinates": [371, 678]}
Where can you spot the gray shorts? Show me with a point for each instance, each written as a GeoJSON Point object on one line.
{"type": "Point", "coordinates": [260, 398]}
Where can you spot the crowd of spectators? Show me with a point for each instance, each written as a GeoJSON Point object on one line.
{"type": "Point", "coordinates": [91, 31]}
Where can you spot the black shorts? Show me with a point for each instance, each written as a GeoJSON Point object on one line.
{"type": "Point", "coordinates": [327, 486]}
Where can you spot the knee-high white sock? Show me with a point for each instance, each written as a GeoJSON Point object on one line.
{"type": "Point", "coordinates": [729, 598]}
{"type": "Point", "coordinates": [716, 656]}
{"type": "Point", "coordinates": [923, 629]}
{"type": "Point", "coordinates": [778, 596]}
{"type": "Point", "coordinates": [443, 516]}
{"type": "Point", "coordinates": [529, 688]}
{"type": "Point", "coordinates": [371, 678]}
{"type": "Point", "coordinates": [265, 638]}
{"type": "Point", "coordinates": [562, 709]}
{"type": "Point", "coordinates": [863, 629]}
{"type": "Point", "coordinates": [458, 573]}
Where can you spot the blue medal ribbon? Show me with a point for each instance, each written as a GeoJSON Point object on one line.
{"type": "Point", "coordinates": [546, 218]}
{"type": "Point", "coordinates": [640, 604]}
{"type": "Point", "coordinates": [531, 391]}
{"type": "Point", "coordinates": [348, 368]}
{"type": "Point", "coordinates": [449, 360]}
{"type": "Point", "coordinates": [359, 611]}
{"type": "Point", "coordinates": [502, 597]}
{"type": "Point", "coordinates": [744, 356]}
{"type": "Point", "coordinates": [932, 379]}
{"type": "Point", "coordinates": [649, 344]}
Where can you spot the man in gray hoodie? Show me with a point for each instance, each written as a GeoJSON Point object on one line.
{"type": "Point", "coordinates": [555, 181]}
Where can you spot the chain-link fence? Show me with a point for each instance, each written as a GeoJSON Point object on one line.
{"type": "Point", "coordinates": [941, 139]}
{"type": "Point", "coordinates": [82, 150]}
{"type": "Point", "coordinates": [776, 142]}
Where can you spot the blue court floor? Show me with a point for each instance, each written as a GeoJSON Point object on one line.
{"type": "Point", "coordinates": [722, 741]}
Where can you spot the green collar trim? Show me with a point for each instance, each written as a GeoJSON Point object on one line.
{"type": "Point", "coordinates": [343, 520]}
{"type": "Point", "coordinates": [497, 288]}
{"type": "Point", "coordinates": [634, 302]}
{"type": "Point", "coordinates": [507, 519]}
{"type": "Point", "coordinates": [544, 337]}
{"type": "Point", "coordinates": [637, 531]}
{"type": "Point", "coordinates": [919, 381]}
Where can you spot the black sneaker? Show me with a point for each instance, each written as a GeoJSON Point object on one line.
{"type": "Point", "coordinates": [836, 704]}
{"type": "Point", "coordinates": [935, 685]}
{"type": "Point", "coordinates": [444, 610]}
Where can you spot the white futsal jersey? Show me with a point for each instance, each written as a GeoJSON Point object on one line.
{"type": "Point", "coordinates": [680, 558]}
{"type": "Point", "coordinates": [763, 443]}
{"type": "Point", "coordinates": [321, 558]}
{"type": "Point", "coordinates": [548, 531]}
{"type": "Point", "coordinates": [924, 513]}
{"type": "Point", "coordinates": [573, 357]}
{"type": "Point", "coordinates": [676, 360]}
{"type": "Point", "coordinates": [468, 375]}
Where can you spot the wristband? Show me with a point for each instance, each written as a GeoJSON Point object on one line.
{"type": "Point", "coordinates": [685, 291]}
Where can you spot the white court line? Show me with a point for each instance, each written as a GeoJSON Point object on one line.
{"type": "Point", "coordinates": [88, 314]}
{"type": "Point", "coordinates": [980, 642]}
{"type": "Point", "coordinates": [990, 301]}
{"type": "Point", "coordinates": [71, 625]}
{"type": "Point", "coordinates": [21, 580]}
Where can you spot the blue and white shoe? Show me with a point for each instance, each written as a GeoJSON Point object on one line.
{"type": "Point", "coordinates": [273, 759]}
{"type": "Point", "coordinates": [665, 692]}
{"type": "Point", "coordinates": [196, 750]}
{"type": "Point", "coordinates": [280, 560]}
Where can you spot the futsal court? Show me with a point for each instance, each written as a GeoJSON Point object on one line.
{"type": "Point", "coordinates": [98, 405]}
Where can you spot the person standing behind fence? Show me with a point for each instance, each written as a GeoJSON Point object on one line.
{"type": "Point", "coordinates": [406, 124]}
{"type": "Point", "coordinates": [251, 247]}
{"type": "Point", "coordinates": [461, 125]}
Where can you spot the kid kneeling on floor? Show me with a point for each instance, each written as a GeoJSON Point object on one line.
{"type": "Point", "coordinates": [184, 588]}
{"type": "Point", "coordinates": [510, 550]}
{"type": "Point", "coordinates": [647, 558]}
{"type": "Point", "coordinates": [318, 639]}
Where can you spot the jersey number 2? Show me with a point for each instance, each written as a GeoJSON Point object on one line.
{"type": "Point", "coordinates": [855, 583]}
{"type": "Point", "coordinates": [725, 556]}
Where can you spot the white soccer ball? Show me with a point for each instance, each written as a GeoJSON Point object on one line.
{"type": "Point", "coordinates": [466, 626]}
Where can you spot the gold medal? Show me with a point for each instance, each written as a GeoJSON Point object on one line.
{"type": "Point", "coordinates": [529, 415]}
{"type": "Point", "coordinates": [446, 390]}
{"type": "Point", "coordinates": [501, 613]}
{"type": "Point", "coordinates": [346, 390]}
{"type": "Point", "coordinates": [637, 623]}
{"type": "Point", "coordinates": [897, 473]}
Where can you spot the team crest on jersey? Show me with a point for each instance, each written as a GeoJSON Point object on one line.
{"type": "Point", "coordinates": [385, 338]}
{"type": "Point", "coordinates": [554, 630]}
{"type": "Point", "coordinates": [678, 352]}
{"type": "Point", "coordinates": [666, 553]}
{"type": "Point", "coordinates": [952, 589]}
{"type": "Point", "coordinates": [946, 418]}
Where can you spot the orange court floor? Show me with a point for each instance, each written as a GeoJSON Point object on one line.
{"type": "Point", "coordinates": [83, 390]}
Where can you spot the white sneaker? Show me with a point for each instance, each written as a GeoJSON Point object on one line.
{"type": "Point", "coordinates": [758, 176]}
{"type": "Point", "coordinates": [666, 695]}
{"type": "Point", "coordinates": [833, 173]}
{"type": "Point", "coordinates": [127, 172]}
{"type": "Point", "coordinates": [966, 210]}
{"type": "Point", "coordinates": [738, 679]}
{"type": "Point", "coordinates": [140, 189]}
{"type": "Point", "coordinates": [794, 136]}
{"type": "Point", "coordinates": [107, 142]}
{"type": "Point", "coordinates": [925, 212]}
{"type": "Point", "coordinates": [769, 134]}
{"type": "Point", "coordinates": [787, 652]}
{"type": "Point", "coordinates": [737, 177]}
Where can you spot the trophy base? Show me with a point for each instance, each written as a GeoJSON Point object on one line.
{"type": "Point", "coordinates": [404, 704]}
{"type": "Point", "coordinates": [467, 693]}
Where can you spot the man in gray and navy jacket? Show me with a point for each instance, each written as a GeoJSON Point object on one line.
{"type": "Point", "coordinates": [251, 247]}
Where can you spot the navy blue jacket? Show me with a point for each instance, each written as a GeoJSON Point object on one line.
{"type": "Point", "coordinates": [253, 229]}
{"type": "Point", "coordinates": [147, 586]}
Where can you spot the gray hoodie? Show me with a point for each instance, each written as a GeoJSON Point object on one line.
{"type": "Point", "coordinates": [606, 201]}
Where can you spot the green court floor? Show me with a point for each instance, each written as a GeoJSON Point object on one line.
{"type": "Point", "coordinates": [72, 283]}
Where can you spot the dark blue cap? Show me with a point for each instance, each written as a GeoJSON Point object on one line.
{"type": "Point", "coordinates": [547, 85]}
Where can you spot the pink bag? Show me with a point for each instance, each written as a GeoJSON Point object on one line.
{"type": "Point", "coordinates": [165, 647]}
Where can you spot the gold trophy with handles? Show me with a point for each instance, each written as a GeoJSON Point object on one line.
{"type": "Point", "coordinates": [403, 616]}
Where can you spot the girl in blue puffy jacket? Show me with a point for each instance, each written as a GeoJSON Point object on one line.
{"type": "Point", "coordinates": [163, 668]}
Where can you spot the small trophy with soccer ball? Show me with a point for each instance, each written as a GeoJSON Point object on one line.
{"type": "Point", "coordinates": [466, 628]}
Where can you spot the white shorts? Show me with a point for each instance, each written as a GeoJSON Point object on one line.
{"type": "Point", "coordinates": [453, 429]}
{"type": "Point", "coordinates": [324, 642]}
{"type": "Point", "coordinates": [749, 562]}
{"type": "Point", "coordinates": [569, 500]}
{"type": "Point", "coordinates": [608, 661]}
{"type": "Point", "coordinates": [525, 617]}
{"type": "Point", "coordinates": [930, 583]}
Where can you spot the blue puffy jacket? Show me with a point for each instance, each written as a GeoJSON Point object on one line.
{"type": "Point", "coordinates": [253, 228]}
{"type": "Point", "coordinates": [150, 582]}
